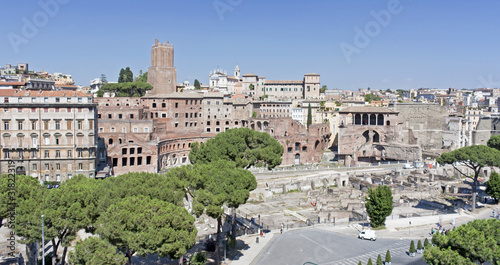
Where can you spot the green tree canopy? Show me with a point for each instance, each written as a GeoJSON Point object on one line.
{"type": "Point", "coordinates": [477, 241]}
{"type": "Point", "coordinates": [69, 208]}
{"type": "Point", "coordinates": [309, 116]}
{"type": "Point", "coordinates": [143, 77]}
{"type": "Point", "coordinates": [494, 142]}
{"type": "Point", "coordinates": [244, 146]}
{"type": "Point", "coordinates": [322, 89]}
{"type": "Point", "coordinates": [125, 75]}
{"type": "Point", "coordinates": [128, 89]}
{"type": "Point", "coordinates": [197, 84]}
{"type": "Point", "coordinates": [169, 189]}
{"type": "Point", "coordinates": [379, 205]}
{"type": "Point", "coordinates": [215, 184]}
{"type": "Point", "coordinates": [474, 157]}
{"type": "Point", "coordinates": [142, 225]}
{"type": "Point", "coordinates": [370, 97]}
{"type": "Point", "coordinates": [379, 260]}
{"type": "Point", "coordinates": [388, 257]}
{"type": "Point", "coordinates": [493, 186]}
{"type": "Point", "coordinates": [96, 251]}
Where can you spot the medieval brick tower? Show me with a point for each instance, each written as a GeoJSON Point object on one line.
{"type": "Point", "coordinates": [162, 74]}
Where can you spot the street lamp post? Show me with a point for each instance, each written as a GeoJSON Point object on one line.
{"type": "Point", "coordinates": [43, 244]}
{"type": "Point", "coordinates": [409, 232]}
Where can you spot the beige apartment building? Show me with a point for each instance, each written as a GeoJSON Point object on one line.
{"type": "Point", "coordinates": [49, 135]}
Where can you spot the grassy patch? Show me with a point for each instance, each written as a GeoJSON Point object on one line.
{"type": "Point", "coordinates": [379, 228]}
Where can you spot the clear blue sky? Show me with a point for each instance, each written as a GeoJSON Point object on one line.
{"type": "Point", "coordinates": [437, 44]}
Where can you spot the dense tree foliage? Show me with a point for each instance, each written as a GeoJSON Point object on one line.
{"type": "Point", "coordinates": [129, 89]}
{"type": "Point", "coordinates": [474, 157]}
{"type": "Point", "coordinates": [143, 77]}
{"type": "Point", "coordinates": [322, 89]}
{"type": "Point", "coordinates": [126, 75]}
{"type": "Point", "coordinates": [142, 225]}
{"type": "Point", "coordinates": [169, 189]}
{"type": "Point", "coordinates": [379, 205]}
{"type": "Point", "coordinates": [244, 146]}
{"type": "Point", "coordinates": [96, 251]}
{"type": "Point", "coordinates": [379, 260]}
{"type": "Point", "coordinates": [309, 116]}
{"type": "Point", "coordinates": [388, 257]}
{"type": "Point", "coordinates": [29, 203]}
{"type": "Point", "coordinates": [476, 241]}
{"type": "Point", "coordinates": [70, 208]}
{"type": "Point", "coordinates": [197, 84]}
{"type": "Point", "coordinates": [493, 186]}
{"type": "Point", "coordinates": [214, 185]}
{"type": "Point", "coordinates": [370, 97]}
{"type": "Point", "coordinates": [494, 142]}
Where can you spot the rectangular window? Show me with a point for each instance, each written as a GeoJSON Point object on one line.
{"type": "Point", "coordinates": [124, 161]}
{"type": "Point", "coordinates": [80, 166]}
{"type": "Point", "coordinates": [136, 129]}
{"type": "Point", "coordinates": [57, 100]}
{"type": "Point", "coordinates": [58, 166]}
{"type": "Point", "coordinates": [33, 109]}
{"type": "Point", "coordinates": [79, 125]}
{"type": "Point", "coordinates": [6, 125]}
{"type": "Point", "coordinates": [124, 130]}
{"type": "Point", "coordinates": [68, 125]}
{"type": "Point", "coordinates": [34, 154]}
{"type": "Point", "coordinates": [132, 161]}
{"type": "Point", "coordinates": [6, 154]}
{"type": "Point", "coordinates": [139, 150]}
{"type": "Point", "coordinates": [119, 116]}
{"type": "Point", "coordinates": [19, 125]}
{"type": "Point", "coordinates": [46, 166]}
{"type": "Point", "coordinates": [91, 124]}
{"type": "Point", "coordinates": [58, 125]}
{"type": "Point", "coordinates": [148, 160]}
{"type": "Point", "coordinates": [80, 153]}
{"type": "Point", "coordinates": [58, 177]}
{"type": "Point", "coordinates": [47, 140]}
{"type": "Point", "coordinates": [57, 109]}
{"type": "Point", "coordinates": [46, 153]}
{"type": "Point", "coordinates": [58, 154]}
{"type": "Point", "coordinates": [34, 166]}
{"type": "Point", "coordinates": [46, 125]}
{"type": "Point", "coordinates": [33, 125]}
{"type": "Point", "coordinates": [70, 154]}
{"type": "Point", "coordinates": [33, 100]}
{"type": "Point", "coordinates": [139, 160]}
{"type": "Point", "coordinates": [146, 129]}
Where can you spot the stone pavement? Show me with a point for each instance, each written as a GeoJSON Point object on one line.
{"type": "Point", "coordinates": [420, 228]}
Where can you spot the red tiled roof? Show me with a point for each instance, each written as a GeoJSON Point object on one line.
{"type": "Point", "coordinates": [31, 93]}
{"type": "Point", "coordinates": [12, 83]}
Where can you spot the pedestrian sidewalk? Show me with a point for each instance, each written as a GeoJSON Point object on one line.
{"type": "Point", "coordinates": [253, 248]}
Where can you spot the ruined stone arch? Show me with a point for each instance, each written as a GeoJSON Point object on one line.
{"type": "Point", "coordinates": [376, 137]}
{"type": "Point", "coordinates": [316, 145]}
{"type": "Point", "coordinates": [366, 134]}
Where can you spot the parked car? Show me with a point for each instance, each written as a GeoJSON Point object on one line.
{"type": "Point", "coordinates": [368, 234]}
{"type": "Point", "coordinates": [408, 166]}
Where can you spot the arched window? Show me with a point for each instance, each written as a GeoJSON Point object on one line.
{"type": "Point", "coordinates": [365, 119]}
{"type": "Point", "coordinates": [357, 119]}
{"type": "Point", "coordinates": [388, 123]}
{"type": "Point", "coordinates": [110, 141]}
{"type": "Point", "coordinates": [373, 119]}
{"type": "Point", "coordinates": [380, 120]}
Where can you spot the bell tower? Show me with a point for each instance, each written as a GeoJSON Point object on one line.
{"type": "Point", "coordinates": [162, 74]}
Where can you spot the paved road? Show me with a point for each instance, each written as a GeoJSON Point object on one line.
{"type": "Point", "coordinates": [326, 247]}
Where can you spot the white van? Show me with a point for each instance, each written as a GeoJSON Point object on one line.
{"type": "Point", "coordinates": [368, 234]}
